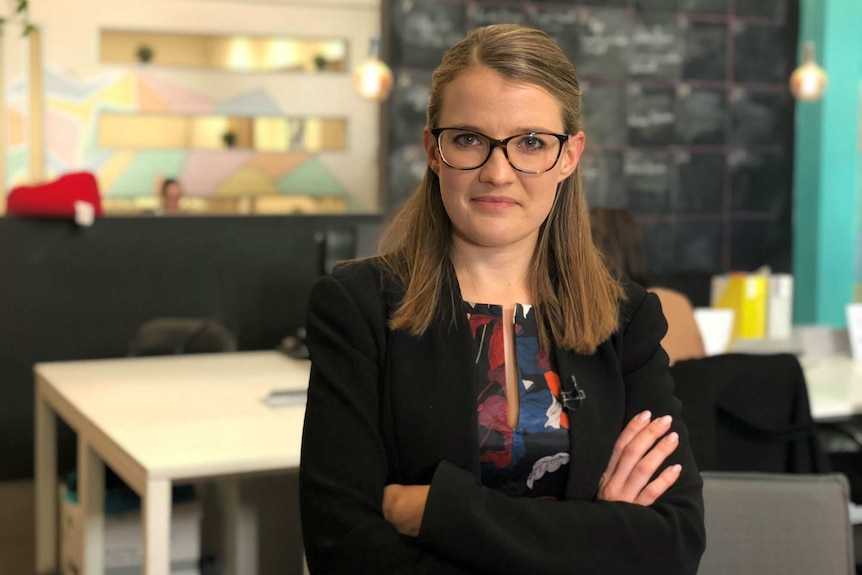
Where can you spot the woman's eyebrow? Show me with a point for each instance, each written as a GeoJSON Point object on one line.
{"type": "Point", "coordinates": [516, 132]}
{"type": "Point", "coordinates": [467, 127]}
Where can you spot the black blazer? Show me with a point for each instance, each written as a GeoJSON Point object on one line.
{"type": "Point", "coordinates": [386, 407]}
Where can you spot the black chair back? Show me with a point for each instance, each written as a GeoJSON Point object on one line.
{"type": "Point", "coordinates": [179, 335]}
{"type": "Point", "coordinates": [749, 412]}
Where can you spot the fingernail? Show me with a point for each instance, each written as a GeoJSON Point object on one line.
{"type": "Point", "coordinates": [672, 438]}
{"type": "Point", "coordinates": [676, 468]}
{"type": "Point", "coordinates": [665, 420]}
{"type": "Point", "coordinates": [644, 415]}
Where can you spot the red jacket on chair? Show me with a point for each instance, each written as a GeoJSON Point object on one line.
{"type": "Point", "coordinates": [57, 198]}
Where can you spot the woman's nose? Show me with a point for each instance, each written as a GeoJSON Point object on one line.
{"type": "Point", "coordinates": [497, 169]}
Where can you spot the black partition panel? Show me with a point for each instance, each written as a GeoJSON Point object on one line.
{"type": "Point", "coordinates": [688, 118]}
{"type": "Point", "coordinates": [79, 293]}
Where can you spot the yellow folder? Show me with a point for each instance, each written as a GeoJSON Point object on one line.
{"type": "Point", "coordinates": [746, 294]}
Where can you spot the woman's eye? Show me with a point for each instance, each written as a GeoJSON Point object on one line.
{"type": "Point", "coordinates": [532, 143]}
{"type": "Point", "coordinates": [466, 139]}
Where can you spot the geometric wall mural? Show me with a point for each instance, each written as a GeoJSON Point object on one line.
{"type": "Point", "coordinates": [72, 110]}
{"type": "Point", "coordinates": [16, 122]}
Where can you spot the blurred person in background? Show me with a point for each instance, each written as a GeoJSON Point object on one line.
{"type": "Point", "coordinates": [171, 194]}
{"type": "Point", "coordinates": [617, 236]}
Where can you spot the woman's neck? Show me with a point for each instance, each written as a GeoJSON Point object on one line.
{"type": "Point", "coordinates": [491, 275]}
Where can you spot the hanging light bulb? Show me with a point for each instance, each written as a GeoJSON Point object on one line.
{"type": "Point", "coordinates": [808, 81]}
{"type": "Point", "coordinates": [373, 78]}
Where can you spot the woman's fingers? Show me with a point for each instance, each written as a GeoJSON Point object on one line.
{"type": "Point", "coordinates": [658, 486]}
{"type": "Point", "coordinates": [404, 506]}
{"type": "Point", "coordinates": [635, 426]}
{"type": "Point", "coordinates": [390, 495]}
{"type": "Point", "coordinates": [635, 460]}
{"type": "Point", "coordinates": [636, 448]}
{"type": "Point", "coordinates": [643, 470]}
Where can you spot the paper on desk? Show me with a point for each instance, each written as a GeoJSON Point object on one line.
{"type": "Point", "coordinates": [278, 397]}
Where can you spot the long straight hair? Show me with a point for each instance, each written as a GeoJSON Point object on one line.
{"type": "Point", "coordinates": [576, 299]}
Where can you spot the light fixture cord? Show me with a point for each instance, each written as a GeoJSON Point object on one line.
{"type": "Point", "coordinates": [374, 48]}
{"type": "Point", "coordinates": [808, 53]}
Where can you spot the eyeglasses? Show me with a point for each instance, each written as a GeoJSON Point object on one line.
{"type": "Point", "coordinates": [532, 153]}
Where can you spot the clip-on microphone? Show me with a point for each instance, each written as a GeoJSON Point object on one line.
{"type": "Point", "coordinates": [573, 399]}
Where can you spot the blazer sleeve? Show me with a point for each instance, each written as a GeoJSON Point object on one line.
{"type": "Point", "coordinates": [343, 467]}
{"type": "Point", "coordinates": [495, 533]}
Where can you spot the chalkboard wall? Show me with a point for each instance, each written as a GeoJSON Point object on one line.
{"type": "Point", "coordinates": [688, 119]}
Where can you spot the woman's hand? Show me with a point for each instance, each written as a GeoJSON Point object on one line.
{"type": "Point", "coordinates": [404, 505]}
{"type": "Point", "coordinates": [636, 458]}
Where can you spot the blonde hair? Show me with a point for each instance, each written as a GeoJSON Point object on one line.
{"type": "Point", "coordinates": [576, 299]}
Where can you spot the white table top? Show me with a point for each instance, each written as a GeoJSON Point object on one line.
{"type": "Point", "coordinates": [185, 416]}
{"type": "Point", "coordinates": [834, 386]}
{"type": "Point", "coordinates": [195, 416]}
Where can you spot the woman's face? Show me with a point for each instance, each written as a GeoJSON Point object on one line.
{"type": "Point", "coordinates": [495, 205]}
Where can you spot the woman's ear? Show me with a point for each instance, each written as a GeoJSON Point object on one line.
{"type": "Point", "coordinates": [431, 151]}
{"type": "Point", "coordinates": [571, 155]}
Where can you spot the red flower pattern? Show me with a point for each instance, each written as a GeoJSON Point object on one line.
{"type": "Point", "coordinates": [516, 460]}
{"type": "Point", "coordinates": [496, 358]}
{"type": "Point", "coordinates": [477, 321]}
{"type": "Point", "coordinates": [494, 416]}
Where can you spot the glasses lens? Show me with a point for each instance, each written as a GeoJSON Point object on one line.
{"type": "Point", "coordinates": [533, 152]}
{"type": "Point", "coordinates": [462, 149]}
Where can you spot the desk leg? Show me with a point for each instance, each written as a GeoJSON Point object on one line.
{"type": "Point", "coordinates": [46, 487]}
{"type": "Point", "coordinates": [156, 504]}
{"type": "Point", "coordinates": [239, 530]}
{"type": "Point", "coordinates": [91, 498]}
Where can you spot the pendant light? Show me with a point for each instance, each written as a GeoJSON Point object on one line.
{"type": "Point", "coordinates": [808, 81]}
{"type": "Point", "coordinates": [373, 78]}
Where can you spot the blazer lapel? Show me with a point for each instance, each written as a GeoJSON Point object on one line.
{"type": "Point", "coordinates": [595, 425]}
{"type": "Point", "coordinates": [433, 400]}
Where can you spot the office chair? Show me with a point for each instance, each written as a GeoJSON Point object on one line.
{"type": "Point", "coordinates": [748, 412]}
{"type": "Point", "coordinates": [777, 524]}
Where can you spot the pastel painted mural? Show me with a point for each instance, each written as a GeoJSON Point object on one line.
{"type": "Point", "coordinates": [79, 77]}
{"type": "Point", "coordinates": [73, 141]}
{"type": "Point", "coordinates": [17, 144]}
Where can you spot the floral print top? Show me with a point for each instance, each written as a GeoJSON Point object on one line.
{"type": "Point", "coordinates": [531, 459]}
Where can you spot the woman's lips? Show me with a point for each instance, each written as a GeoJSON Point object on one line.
{"type": "Point", "coordinates": [494, 202]}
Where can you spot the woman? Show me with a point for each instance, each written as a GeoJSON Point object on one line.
{"type": "Point", "coordinates": [616, 235]}
{"type": "Point", "coordinates": [441, 438]}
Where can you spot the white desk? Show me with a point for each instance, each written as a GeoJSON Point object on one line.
{"type": "Point", "coordinates": [156, 421]}
{"type": "Point", "coordinates": [834, 386]}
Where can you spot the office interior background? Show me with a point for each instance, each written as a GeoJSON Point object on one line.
{"type": "Point", "coordinates": [252, 105]}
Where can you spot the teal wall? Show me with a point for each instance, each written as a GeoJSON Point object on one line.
{"type": "Point", "coordinates": [827, 167]}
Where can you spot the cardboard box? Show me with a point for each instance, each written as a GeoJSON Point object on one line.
{"type": "Point", "coordinates": [124, 539]}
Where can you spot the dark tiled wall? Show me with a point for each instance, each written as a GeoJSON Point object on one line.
{"type": "Point", "coordinates": [687, 114]}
